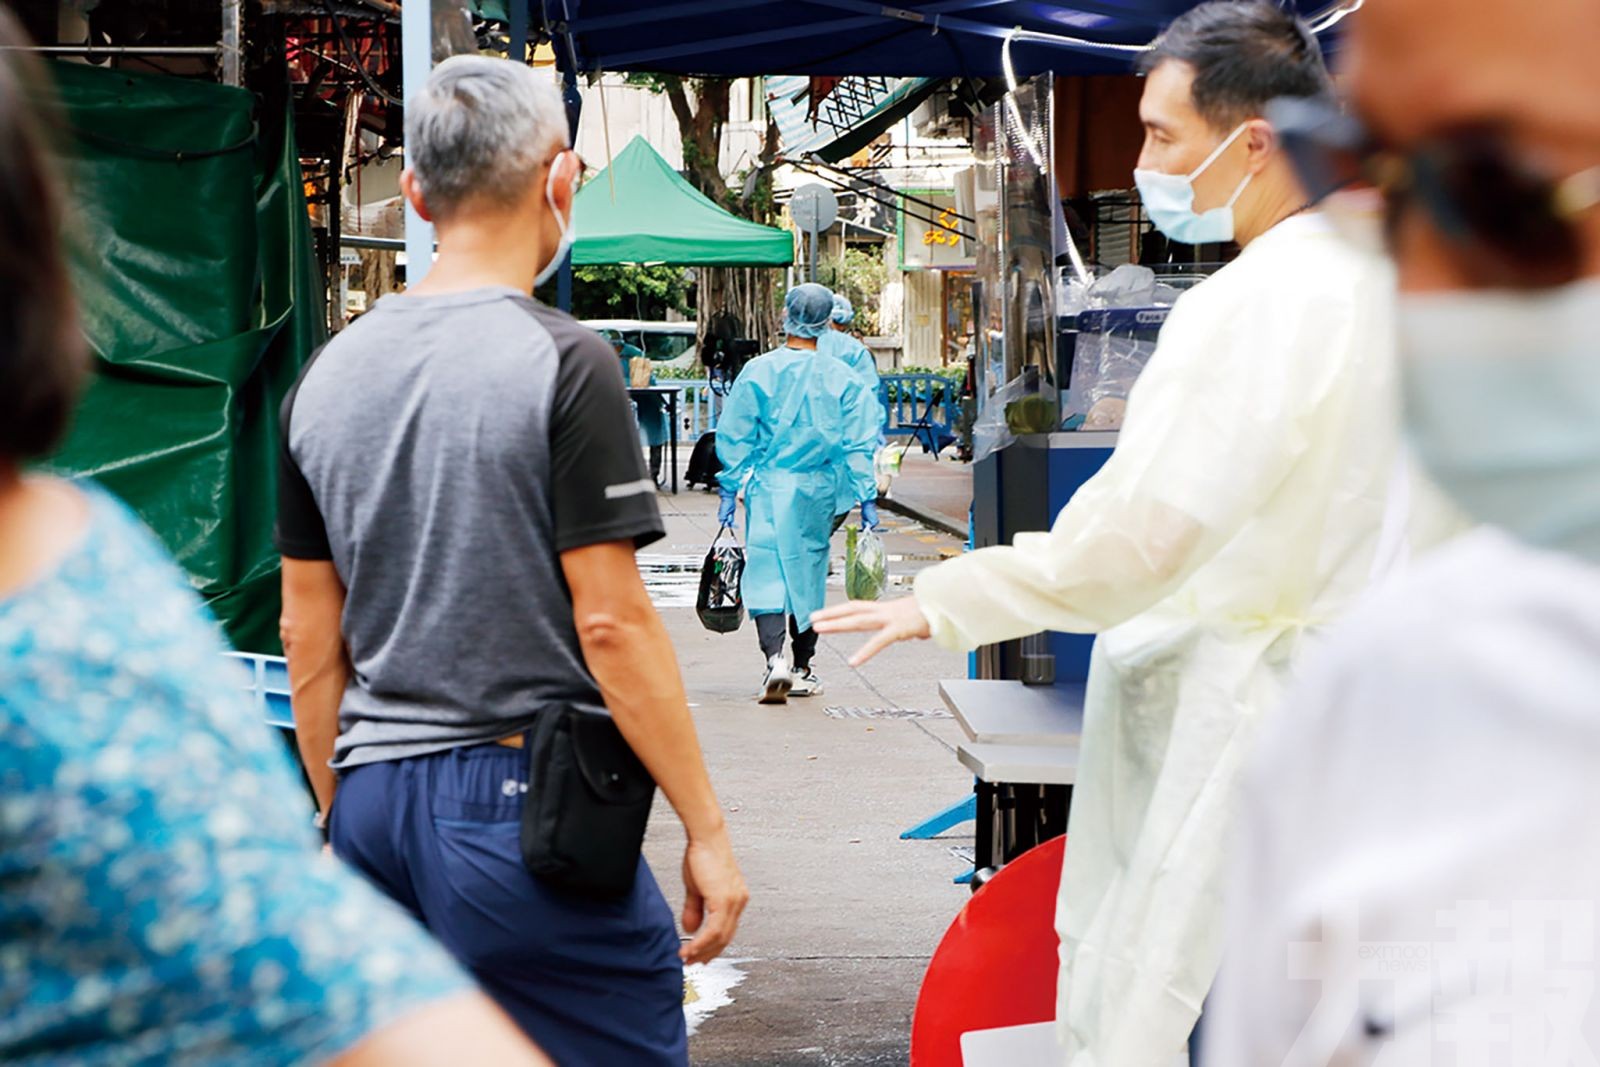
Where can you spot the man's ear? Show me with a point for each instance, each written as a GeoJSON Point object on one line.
{"type": "Point", "coordinates": [1261, 143]}
{"type": "Point", "coordinates": [411, 189]}
{"type": "Point", "coordinates": [564, 182]}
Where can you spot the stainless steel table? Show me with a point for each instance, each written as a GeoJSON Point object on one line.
{"type": "Point", "coordinates": [1022, 747]}
{"type": "Point", "coordinates": [1010, 713]}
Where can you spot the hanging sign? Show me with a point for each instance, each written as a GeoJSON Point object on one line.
{"type": "Point", "coordinates": [931, 232]}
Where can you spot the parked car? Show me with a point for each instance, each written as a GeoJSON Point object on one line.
{"type": "Point", "coordinates": [668, 344]}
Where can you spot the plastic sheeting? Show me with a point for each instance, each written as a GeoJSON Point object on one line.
{"type": "Point", "coordinates": [202, 299]}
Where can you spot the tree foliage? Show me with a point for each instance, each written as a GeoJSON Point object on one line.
{"type": "Point", "coordinates": [860, 276]}
{"type": "Point", "coordinates": [626, 291]}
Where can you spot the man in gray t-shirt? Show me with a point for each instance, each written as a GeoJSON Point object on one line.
{"type": "Point", "coordinates": [461, 492]}
{"type": "Point", "coordinates": [443, 478]}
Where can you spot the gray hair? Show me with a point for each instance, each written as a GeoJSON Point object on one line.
{"type": "Point", "coordinates": [480, 129]}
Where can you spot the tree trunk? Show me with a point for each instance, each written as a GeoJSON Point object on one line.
{"type": "Point", "coordinates": [747, 292]}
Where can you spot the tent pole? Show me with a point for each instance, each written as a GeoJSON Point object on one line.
{"type": "Point", "coordinates": [519, 31]}
{"type": "Point", "coordinates": [574, 101]}
{"type": "Point", "coordinates": [564, 285]}
{"type": "Point", "coordinates": [416, 59]}
{"type": "Point", "coordinates": [232, 56]}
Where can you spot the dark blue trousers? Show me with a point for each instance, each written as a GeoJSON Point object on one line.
{"type": "Point", "coordinates": [596, 984]}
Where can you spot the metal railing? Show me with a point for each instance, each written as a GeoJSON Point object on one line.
{"type": "Point", "coordinates": [698, 408]}
{"type": "Point", "coordinates": [923, 407]}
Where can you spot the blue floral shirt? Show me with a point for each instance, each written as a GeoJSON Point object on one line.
{"type": "Point", "coordinates": [163, 897]}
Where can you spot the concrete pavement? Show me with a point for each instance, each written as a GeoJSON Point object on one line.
{"type": "Point", "coordinates": [936, 493]}
{"type": "Point", "coordinates": [843, 915]}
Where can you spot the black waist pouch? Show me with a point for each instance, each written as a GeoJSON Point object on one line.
{"type": "Point", "coordinates": [587, 804]}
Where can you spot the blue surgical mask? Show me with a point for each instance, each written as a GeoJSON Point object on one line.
{"type": "Point", "coordinates": [1502, 405]}
{"type": "Point", "coordinates": [568, 231]}
{"type": "Point", "coordinates": [1169, 201]}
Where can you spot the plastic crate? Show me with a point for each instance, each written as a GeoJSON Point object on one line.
{"type": "Point", "coordinates": [266, 679]}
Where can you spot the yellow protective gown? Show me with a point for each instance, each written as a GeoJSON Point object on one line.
{"type": "Point", "coordinates": [1256, 490]}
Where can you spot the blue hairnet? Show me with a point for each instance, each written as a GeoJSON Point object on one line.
{"type": "Point", "coordinates": [843, 312]}
{"type": "Point", "coordinates": [806, 310]}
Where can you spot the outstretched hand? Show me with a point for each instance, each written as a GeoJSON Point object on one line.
{"type": "Point", "coordinates": [887, 620]}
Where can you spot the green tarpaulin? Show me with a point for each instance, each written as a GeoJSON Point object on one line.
{"type": "Point", "coordinates": [201, 297]}
{"type": "Point", "coordinates": [639, 210]}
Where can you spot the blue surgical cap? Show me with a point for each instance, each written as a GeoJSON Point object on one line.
{"type": "Point", "coordinates": [806, 310]}
{"type": "Point", "coordinates": [843, 313]}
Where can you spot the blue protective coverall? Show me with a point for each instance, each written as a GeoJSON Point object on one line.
{"type": "Point", "coordinates": [798, 424]}
{"type": "Point", "coordinates": [858, 357]}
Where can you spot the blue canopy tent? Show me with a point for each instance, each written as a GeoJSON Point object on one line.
{"type": "Point", "coordinates": [914, 38]}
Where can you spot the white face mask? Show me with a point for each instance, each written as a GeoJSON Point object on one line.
{"type": "Point", "coordinates": [1502, 404]}
{"type": "Point", "coordinates": [568, 231]}
{"type": "Point", "coordinates": [1169, 201]}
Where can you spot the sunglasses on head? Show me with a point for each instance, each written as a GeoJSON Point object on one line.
{"type": "Point", "coordinates": [1471, 183]}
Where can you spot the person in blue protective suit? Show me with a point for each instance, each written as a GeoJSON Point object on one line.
{"type": "Point", "coordinates": [652, 410]}
{"type": "Point", "coordinates": [835, 341]}
{"type": "Point", "coordinates": [796, 425]}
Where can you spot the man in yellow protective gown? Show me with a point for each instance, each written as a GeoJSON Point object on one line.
{"type": "Point", "coordinates": [1257, 490]}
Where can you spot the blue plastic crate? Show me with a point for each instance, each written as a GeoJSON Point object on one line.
{"type": "Point", "coordinates": [266, 679]}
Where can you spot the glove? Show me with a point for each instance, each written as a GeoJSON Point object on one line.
{"type": "Point", "coordinates": [725, 510]}
{"type": "Point", "coordinates": [869, 514]}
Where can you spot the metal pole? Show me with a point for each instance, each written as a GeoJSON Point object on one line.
{"type": "Point", "coordinates": [564, 284]}
{"type": "Point", "coordinates": [416, 59]}
{"type": "Point", "coordinates": [815, 235]}
{"type": "Point", "coordinates": [356, 240]}
{"type": "Point", "coordinates": [574, 102]}
{"type": "Point", "coordinates": [518, 10]}
{"type": "Point", "coordinates": [89, 50]}
{"type": "Point", "coordinates": [232, 56]}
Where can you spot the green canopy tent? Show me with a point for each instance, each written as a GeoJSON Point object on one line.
{"type": "Point", "coordinates": [656, 216]}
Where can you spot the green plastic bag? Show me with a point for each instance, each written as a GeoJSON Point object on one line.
{"type": "Point", "coordinates": [866, 565]}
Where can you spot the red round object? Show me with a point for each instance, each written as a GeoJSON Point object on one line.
{"type": "Point", "coordinates": [997, 964]}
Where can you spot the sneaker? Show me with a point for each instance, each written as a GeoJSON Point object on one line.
{"type": "Point", "coordinates": [806, 684]}
{"type": "Point", "coordinates": [776, 685]}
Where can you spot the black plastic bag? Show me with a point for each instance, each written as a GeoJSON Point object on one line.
{"type": "Point", "coordinates": [720, 604]}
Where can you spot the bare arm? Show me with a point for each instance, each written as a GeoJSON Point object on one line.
{"type": "Point", "coordinates": [319, 669]}
{"type": "Point", "coordinates": [627, 650]}
{"type": "Point", "coordinates": [466, 1028]}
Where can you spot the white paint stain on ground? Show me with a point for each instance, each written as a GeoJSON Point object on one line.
{"type": "Point", "coordinates": [707, 987]}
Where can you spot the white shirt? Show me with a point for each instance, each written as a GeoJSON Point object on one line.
{"type": "Point", "coordinates": [1418, 871]}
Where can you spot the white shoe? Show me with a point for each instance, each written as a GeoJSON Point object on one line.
{"type": "Point", "coordinates": [806, 685]}
{"type": "Point", "coordinates": [776, 685]}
